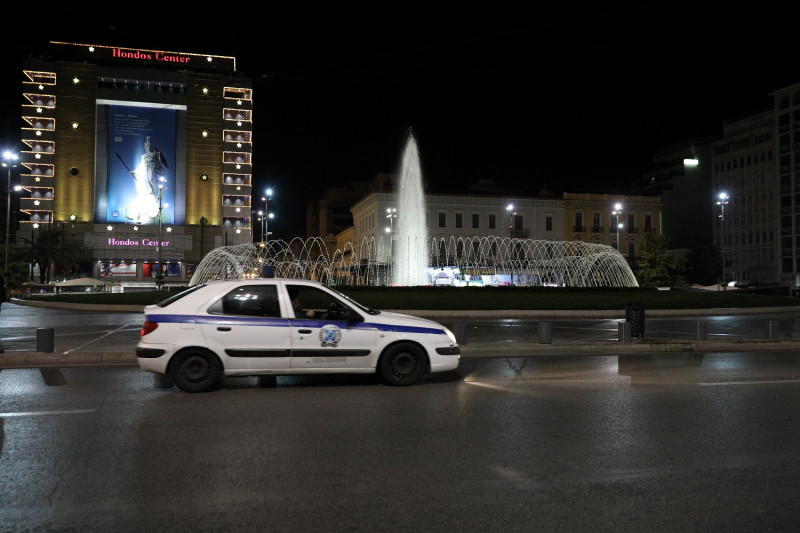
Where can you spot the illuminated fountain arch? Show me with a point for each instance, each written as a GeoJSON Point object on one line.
{"type": "Point", "coordinates": [499, 260]}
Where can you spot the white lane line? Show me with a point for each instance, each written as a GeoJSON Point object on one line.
{"type": "Point", "coordinates": [41, 413]}
{"type": "Point", "coordinates": [765, 382]}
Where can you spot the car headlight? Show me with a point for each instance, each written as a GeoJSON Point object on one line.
{"type": "Point", "coordinates": [450, 336]}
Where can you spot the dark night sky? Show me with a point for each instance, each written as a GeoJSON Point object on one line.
{"type": "Point", "coordinates": [573, 98]}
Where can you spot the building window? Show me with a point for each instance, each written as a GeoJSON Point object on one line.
{"type": "Point", "coordinates": [548, 223]}
{"type": "Point", "coordinates": [631, 249]}
{"type": "Point", "coordinates": [578, 222]}
{"type": "Point", "coordinates": [596, 222]}
{"type": "Point", "coordinates": [476, 221]}
{"type": "Point", "coordinates": [442, 220]}
{"type": "Point", "coordinates": [648, 223]}
{"type": "Point", "coordinates": [459, 220]}
{"type": "Point", "coordinates": [492, 221]}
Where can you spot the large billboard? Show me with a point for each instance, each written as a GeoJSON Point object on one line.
{"type": "Point", "coordinates": [140, 147]}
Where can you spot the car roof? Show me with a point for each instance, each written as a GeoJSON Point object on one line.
{"type": "Point", "coordinates": [238, 281]}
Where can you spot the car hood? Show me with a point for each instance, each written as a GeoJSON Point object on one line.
{"type": "Point", "coordinates": [400, 318]}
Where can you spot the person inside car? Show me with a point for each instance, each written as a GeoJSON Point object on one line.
{"type": "Point", "coordinates": [294, 294]}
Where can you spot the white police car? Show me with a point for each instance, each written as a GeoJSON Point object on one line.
{"type": "Point", "coordinates": [275, 326]}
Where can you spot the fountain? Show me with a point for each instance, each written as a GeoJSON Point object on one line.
{"type": "Point", "coordinates": [499, 260]}
{"type": "Point", "coordinates": [534, 263]}
{"type": "Point", "coordinates": [409, 259]}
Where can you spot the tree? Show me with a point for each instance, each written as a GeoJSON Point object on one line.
{"type": "Point", "coordinates": [46, 248]}
{"type": "Point", "coordinates": [657, 267]}
{"type": "Point", "coordinates": [18, 267]}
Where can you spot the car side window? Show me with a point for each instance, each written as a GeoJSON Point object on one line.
{"type": "Point", "coordinates": [249, 300]}
{"type": "Point", "coordinates": [310, 302]}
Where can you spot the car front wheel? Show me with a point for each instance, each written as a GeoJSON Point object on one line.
{"type": "Point", "coordinates": [196, 370]}
{"type": "Point", "coordinates": [402, 364]}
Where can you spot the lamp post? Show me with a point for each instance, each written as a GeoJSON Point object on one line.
{"type": "Point", "coordinates": [617, 212]}
{"type": "Point", "coordinates": [511, 215]}
{"type": "Point", "coordinates": [391, 214]}
{"type": "Point", "coordinates": [264, 226]}
{"type": "Point", "coordinates": [722, 201]}
{"type": "Point", "coordinates": [8, 161]}
{"type": "Point", "coordinates": [159, 274]}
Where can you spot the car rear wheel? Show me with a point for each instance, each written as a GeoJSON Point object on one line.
{"type": "Point", "coordinates": [196, 370]}
{"type": "Point", "coordinates": [402, 364]}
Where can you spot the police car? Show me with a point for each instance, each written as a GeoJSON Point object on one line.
{"type": "Point", "coordinates": [276, 326]}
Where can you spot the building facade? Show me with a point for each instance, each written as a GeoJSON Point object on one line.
{"type": "Point", "coordinates": [744, 199]}
{"type": "Point", "coordinates": [574, 217]}
{"type": "Point", "coordinates": [143, 157]}
{"type": "Point", "coordinates": [619, 221]}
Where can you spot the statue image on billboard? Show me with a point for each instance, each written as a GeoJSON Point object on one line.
{"type": "Point", "coordinates": [144, 206]}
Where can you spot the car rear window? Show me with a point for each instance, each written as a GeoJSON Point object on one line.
{"type": "Point", "coordinates": [173, 299]}
{"type": "Point", "coordinates": [248, 300]}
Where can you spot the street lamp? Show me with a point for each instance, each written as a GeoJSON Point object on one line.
{"type": "Point", "coordinates": [722, 201]}
{"type": "Point", "coordinates": [266, 215]}
{"type": "Point", "coordinates": [8, 161]}
{"type": "Point", "coordinates": [617, 212]}
{"type": "Point", "coordinates": [511, 215]}
{"type": "Point", "coordinates": [159, 274]}
{"type": "Point", "coordinates": [391, 214]}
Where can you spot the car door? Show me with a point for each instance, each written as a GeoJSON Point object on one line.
{"type": "Point", "coordinates": [245, 327]}
{"type": "Point", "coordinates": [322, 340]}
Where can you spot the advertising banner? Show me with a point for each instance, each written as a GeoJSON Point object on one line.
{"type": "Point", "coordinates": [168, 270]}
{"type": "Point", "coordinates": [141, 154]}
{"type": "Point", "coordinates": [109, 270]}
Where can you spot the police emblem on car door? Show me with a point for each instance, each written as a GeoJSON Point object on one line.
{"type": "Point", "coordinates": [328, 333]}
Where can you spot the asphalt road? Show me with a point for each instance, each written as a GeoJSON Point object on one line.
{"type": "Point", "coordinates": [600, 443]}
{"type": "Point", "coordinates": [677, 435]}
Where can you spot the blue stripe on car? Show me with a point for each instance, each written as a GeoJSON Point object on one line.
{"type": "Point", "coordinates": [284, 322]}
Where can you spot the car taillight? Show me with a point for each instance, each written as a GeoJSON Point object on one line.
{"type": "Point", "coordinates": [149, 327]}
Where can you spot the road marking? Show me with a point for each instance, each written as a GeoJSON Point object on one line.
{"type": "Point", "coordinates": [763, 382]}
{"type": "Point", "coordinates": [41, 413]}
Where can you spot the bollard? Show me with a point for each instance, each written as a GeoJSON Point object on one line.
{"type": "Point", "coordinates": [45, 340]}
{"type": "Point", "coordinates": [624, 331]}
{"type": "Point", "coordinates": [773, 330]}
{"type": "Point", "coordinates": [545, 332]}
{"type": "Point", "coordinates": [700, 330]}
{"type": "Point", "coordinates": [460, 333]}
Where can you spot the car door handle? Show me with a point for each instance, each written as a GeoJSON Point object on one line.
{"type": "Point", "coordinates": [304, 331]}
{"type": "Point", "coordinates": [223, 328]}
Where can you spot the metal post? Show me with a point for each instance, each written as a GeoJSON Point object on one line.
{"type": "Point", "coordinates": [545, 332]}
{"type": "Point", "coordinates": [617, 212]}
{"type": "Point", "coordinates": [8, 217]}
{"type": "Point", "coordinates": [159, 275]}
{"type": "Point", "coordinates": [700, 330]}
{"type": "Point", "coordinates": [45, 340]}
{"type": "Point", "coordinates": [624, 331]}
{"type": "Point", "coordinates": [722, 202]}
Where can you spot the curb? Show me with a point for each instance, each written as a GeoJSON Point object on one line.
{"type": "Point", "coordinates": [20, 360]}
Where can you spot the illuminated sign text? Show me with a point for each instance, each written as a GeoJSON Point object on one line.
{"type": "Point", "coordinates": [150, 56]}
{"type": "Point", "coordinates": [133, 242]}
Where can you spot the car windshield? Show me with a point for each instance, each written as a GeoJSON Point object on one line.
{"type": "Point", "coordinates": [364, 308]}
